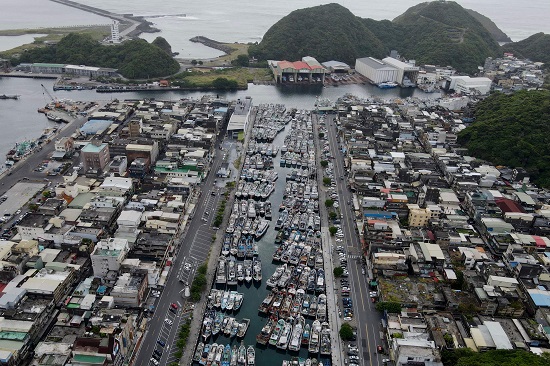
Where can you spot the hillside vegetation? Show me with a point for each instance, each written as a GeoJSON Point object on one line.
{"type": "Point", "coordinates": [325, 32]}
{"type": "Point", "coordinates": [535, 48]}
{"type": "Point", "coordinates": [135, 59]}
{"type": "Point", "coordinates": [497, 34]}
{"type": "Point", "coordinates": [441, 33]}
{"type": "Point", "coordinates": [516, 357]}
{"type": "Point", "coordinates": [513, 130]}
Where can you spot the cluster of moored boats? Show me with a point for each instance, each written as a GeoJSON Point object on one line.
{"type": "Point", "coordinates": [294, 333]}
{"type": "Point", "coordinates": [298, 285]}
{"type": "Point", "coordinates": [296, 305]}
{"type": "Point", "coordinates": [298, 361]}
{"type": "Point", "coordinates": [298, 150]}
{"type": "Point", "coordinates": [262, 148]}
{"type": "Point", "coordinates": [232, 272]}
{"type": "Point", "coordinates": [223, 355]}
{"type": "Point", "coordinates": [270, 120]}
{"type": "Point", "coordinates": [216, 322]}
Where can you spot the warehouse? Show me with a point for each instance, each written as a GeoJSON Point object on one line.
{"type": "Point", "coordinates": [468, 85]}
{"type": "Point", "coordinates": [375, 70]}
{"type": "Point", "coordinates": [309, 70]}
{"type": "Point", "coordinates": [407, 73]}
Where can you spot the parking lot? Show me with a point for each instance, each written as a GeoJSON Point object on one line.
{"type": "Point", "coordinates": [19, 195]}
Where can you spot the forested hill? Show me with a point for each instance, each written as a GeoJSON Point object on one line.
{"type": "Point", "coordinates": [434, 32]}
{"type": "Point", "coordinates": [536, 48]}
{"type": "Point", "coordinates": [513, 130]}
{"type": "Point", "coordinates": [496, 32]}
{"type": "Point", "coordinates": [134, 59]}
{"type": "Point", "coordinates": [325, 32]}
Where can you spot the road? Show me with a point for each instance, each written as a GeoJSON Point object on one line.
{"type": "Point", "coordinates": [193, 249]}
{"type": "Point", "coordinates": [366, 317]}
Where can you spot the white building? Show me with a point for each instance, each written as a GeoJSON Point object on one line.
{"type": "Point", "coordinates": [407, 74]}
{"type": "Point", "coordinates": [115, 35]}
{"type": "Point", "coordinates": [375, 70]}
{"type": "Point", "coordinates": [468, 85]}
{"type": "Point", "coordinates": [108, 255]}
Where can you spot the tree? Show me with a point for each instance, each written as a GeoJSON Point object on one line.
{"type": "Point", "coordinates": [332, 215]}
{"type": "Point", "coordinates": [329, 203]}
{"type": "Point", "coordinates": [193, 62]}
{"type": "Point", "coordinates": [241, 60]}
{"type": "Point", "coordinates": [338, 271]}
{"type": "Point", "coordinates": [326, 181]}
{"type": "Point", "coordinates": [324, 163]}
{"type": "Point", "coordinates": [346, 332]}
{"type": "Point", "coordinates": [389, 306]}
{"type": "Point", "coordinates": [46, 194]}
{"type": "Point", "coordinates": [33, 206]}
{"type": "Point", "coordinates": [321, 135]}
{"type": "Point", "coordinates": [333, 230]}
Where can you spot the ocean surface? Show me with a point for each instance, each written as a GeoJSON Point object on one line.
{"type": "Point", "coordinates": [248, 20]}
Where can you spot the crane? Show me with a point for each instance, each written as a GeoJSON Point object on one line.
{"type": "Point", "coordinates": [54, 100]}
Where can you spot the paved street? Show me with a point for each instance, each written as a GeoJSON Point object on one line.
{"type": "Point", "coordinates": [366, 317]}
{"type": "Point", "coordinates": [193, 250]}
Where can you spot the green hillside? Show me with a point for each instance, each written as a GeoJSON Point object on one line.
{"type": "Point", "coordinates": [535, 48]}
{"type": "Point", "coordinates": [444, 33]}
{"type": "Point", "coordinates": [513, 130]}
{"type": "Point", "coordinates": [497, 34]}
{"type": "Point", "coordinates": [135, 59]}
{"type": "Point", "coordinates": [441, 33]}
{"type": "Point", "coordinates": [325, 32]}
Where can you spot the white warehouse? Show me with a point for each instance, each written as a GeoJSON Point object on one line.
{"type": "Point", "coordinates": [467, 85]}
{"type": "Point", "coordinates": [407, 74]}
{"type": "Point", "coordinates": [375, 70]}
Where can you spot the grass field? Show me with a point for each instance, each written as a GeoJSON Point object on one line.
{"type": "Point", "coordinates": [52, 35]}
{"type": "Point", "coordinates": [242, 75]}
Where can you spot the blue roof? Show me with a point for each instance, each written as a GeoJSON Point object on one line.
{"type": "Point", "coordinates": [94, 126]}
{"type": "Point", "coordinates": [540, 297]}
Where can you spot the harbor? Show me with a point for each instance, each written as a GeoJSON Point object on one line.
{"type": "Point", "coordinates": [269, 288]}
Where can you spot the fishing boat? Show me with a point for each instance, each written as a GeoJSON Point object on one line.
{"type": "Point", "coordinates": [4, 96]}
{"type": "Point", "coordinates": [282, 343]}
{"type": "Point", "coordinates": [276, 332]}
{"type": "Point", "coordinates": [306, 334]}
{"type": "Point", "coordinates": [282, 219]}
{"type": "Point", "coordinates": [212, 353]}
{"type": "Point", "coordinates": [387, 85]}
{"type": "Point", "coordinates": [250, 356]}
{"type": "Point", "coordinates": [240, 272]}
{"type": "Point", "coordinates": [266, 303]}
{"type": "Point", "coordinates": [219, 354]}
{"type": "Point", "coordinates": [228, 327]}
{"type": "Point", "coordinates": [221, 276]}
{"type": "Point", "coordinates": [320, 285]}
{"type": "Point", "coordinates": [262, 229]}
{"type": "Point", "coordinates": [234, 328]}
{"type": "Point", "coordinates": [225, 300]}
{"type": "Point", "coordinates": [226, 358]}
{"type": "Point", "coordinates": [232, 272]}
{"type": "Point", "coordinates": [239, 297]}
{"type": "Point", "coordinates": [325, 339]}
{"type": "Point", "coordinates": [204, 355]}
{"type": "Point", "coordinates": [241, 360]}
{"type": "Point", "coordinates": [305, 306]}
{"type": "Point", "coordinates": [322, 307]}
{"type": "Point", "coordinates": [231, 301]}
{"type": "Point", "coordinates": [272, 281]}
{"type": "Point", "coordinates": [315, 337]}
{"type": "Point", "coordinates": [243, 327]}
{"type": "Point", "coordinates": [217, 323]}
{"type": "Point", "coordinates": [267, 329]}
{"type": "Point", "coordinates": [257, 270]}
{"type": "Point", "coordinates": [206, 328]}
{"type": "Point", "coordinates": [248, 270]}
{"type": "Point", "coordinates": [198, 352]}
{"type": "Point", "coordinates": [234, 356]}
{"type": "Point", "coordinates": [296, 338]}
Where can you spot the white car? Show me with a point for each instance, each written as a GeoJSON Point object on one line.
{"type": "Point", "coordinates": [339, 235]}
{"type": "Point", "coordinates": [168, 321]}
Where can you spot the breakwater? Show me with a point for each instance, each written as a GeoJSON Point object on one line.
{"type": "Point", "coordinates": [212, 44]}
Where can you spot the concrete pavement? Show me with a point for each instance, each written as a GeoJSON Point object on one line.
{"type": "Point", "coordinates": [366, 317]}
